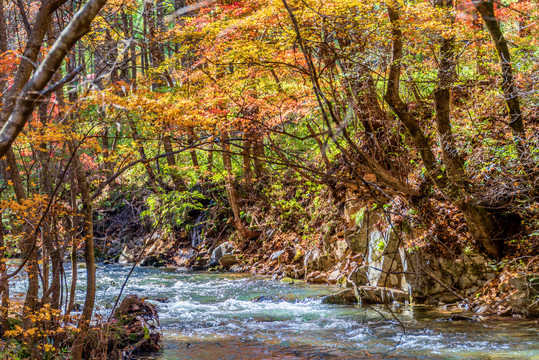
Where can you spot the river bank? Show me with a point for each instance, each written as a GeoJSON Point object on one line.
{"type": "Point", "coordinates": [369, 260]}
{"type": "Point", "coordinates": [374, 254]}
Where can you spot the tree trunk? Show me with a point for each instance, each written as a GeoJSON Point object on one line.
{"type": "Point", "coordinates": [4, 283]}
{"type": "Point", "coordinates": [26, 101]}
{"type": "Point", "coordinates": [151, 175]}
{"type": "Point", "coordinates": [442, 102]}
{"type": "Point", "coordinates": [73, 226]}
{"type": "Point", "coordinates": [481, 224]}
{"type": "Point", "coordinates": [89, 256]}
{"type": "Point", "coordinates": [246, 156]}
{"type": "Point", "coordinates": [28, 245]}
{"type": "Point", "coordinates": [258, 154]}
{"type": "Point", "coordinates": [179, 184]}
{"type": "Point", "coordinates": [510, 91]}
{"type": "Point", "coordinates": [194, 159]}
{"type": "Point", "coordinates": [243, 233]}
{"type": "Point", "coordinates": [509, 88]}
{"type": "Point", "coordinates": [209, 158]}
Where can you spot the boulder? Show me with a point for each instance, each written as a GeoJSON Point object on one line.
{"type": "Point", "coordinates": [224, 249]}
{"type": "Point", "coordinates": [334, 276]}
{"type": "Point", "coordinates": [162, 300]}
{"type": "Point", "coordinates": [153, 260]}
{"type": "Point", "coordinates": [127, 256]}
{"type": "Point", "coordinates": [262, 298]}
{"type": "Point", "coordinates": [367, 295]}
{"type": "Point", "coordinates": [316, 277]}
{"type": "Point", "coordinates": [228, 260]}
{"type": "Point", "coordinates": [345, 297]}
{"type": "Point", "coordinates": [238, 269]}
{"type": "Point", "coordinates": [201, 263]}
{"type": "Point", "coordinates": [185, 256]}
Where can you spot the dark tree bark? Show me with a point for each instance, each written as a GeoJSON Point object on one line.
{"type": "Point", "coordinates": [508, 85]}
{"type": "Point", "coordinates": [89, 255]}
{"type": "Point", "coordinates": [442, 102]}
{"type": "Point", "coordinates": [179, 184]}
{"type": "Point", "coordinates": [481, 223]}
{"type": "Point", "coordinates": [258, 157]}
{"type": "Point", "coordinates": [194, 158]}
{"type": "Point", "coordinates": [73, 225]}
{"type": "Point", "coordinates": [152, 178]}
{"type": "Point", "coordinates": [233, 198]}
{"type": "Point", "coordinates": [246, 156]}
{"type": "Point", "coordinates": [28, 245]}
{"type": "Point", "coordinates": [510, 91]}
{"type": "Point", "coordinates": [4, 283]}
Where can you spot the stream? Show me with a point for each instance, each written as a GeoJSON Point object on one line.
{"type": "Point", "coordinates": [212, 316]}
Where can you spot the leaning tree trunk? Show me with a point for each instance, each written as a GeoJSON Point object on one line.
{"type": "Point", "coordinates": [231, 191]}
{"type": "Point", "coordinates": [34, 88]}
{"type": "Point", "coordinates": [508, 85]}
{"type": "Point", "coordinates": [481, 224]}
{"type": "Point", "coordinates": [4, 283]}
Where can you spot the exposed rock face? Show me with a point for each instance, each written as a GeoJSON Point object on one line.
{"type": "Point", "coordinates": [315, 260]}
{"type": "Point", "coordinates": [359, 276]}
{"type": "Point", "coordinates": [385, 261]}
{"type": "Point", "coordinates": [523, 299]}
{"type": "Point", "coordinates": [388, 266]}
{"type": "Point", "coordinates": [464, 274]}
{"type": "Point", "coordinates": [341, 249]}
{"type": "Point", "coordinates": [224, 249]}
{"type": "Point", "coordinates": [228, 260]}
{"type": "Point", "coordinates": [357, 237]}
{"type": "Point", "coordinates": [309, 259]}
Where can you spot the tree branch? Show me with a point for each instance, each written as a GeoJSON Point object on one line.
{"type": "Point", "coordinates": [26, 103]}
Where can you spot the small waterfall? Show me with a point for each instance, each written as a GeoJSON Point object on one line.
{"type": "Point", "coordinates": [196, 233]}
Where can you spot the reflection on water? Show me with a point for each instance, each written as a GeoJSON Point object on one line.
{"type": "Point", "coordinates": [211, 316]}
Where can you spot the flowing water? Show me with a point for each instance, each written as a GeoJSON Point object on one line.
{"type": "Point", "coordinates": [212, 316]}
